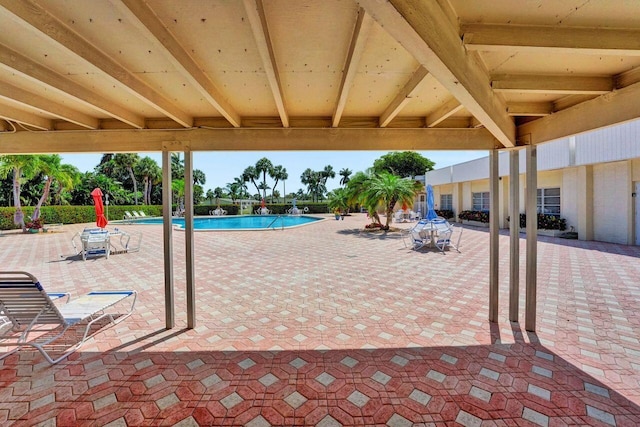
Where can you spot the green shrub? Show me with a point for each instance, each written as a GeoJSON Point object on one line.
{"type": "Point", "coordinates": [445, 213]}
{"type": "Point", "coordinates": [480, 216]}
{"type": "Point", "coordinates": [545, 222]}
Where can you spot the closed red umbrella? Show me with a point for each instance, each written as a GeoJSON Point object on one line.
{"type": "Point", "coordinates": [101, 220]}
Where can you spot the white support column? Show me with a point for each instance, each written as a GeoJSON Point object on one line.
{"type": "Point", "coordinates": [585, 202]}
{"type": "Point", "coordinates": [532, 238]}
{"type": "Point", "coordinates": [494, 206]}
{"type": "Point", "coordinates": [514, 235]}
{"type": "Point", "coordinates": [167, 229]}
{"type": "Point", "coordinates": [189, 246]}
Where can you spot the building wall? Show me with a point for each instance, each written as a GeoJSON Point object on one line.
{"type": "Point", "coordinates": [611, 198]}
{"type": "Point", "coordinates": [597, 174]}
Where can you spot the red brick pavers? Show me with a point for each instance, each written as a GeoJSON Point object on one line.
{"type": "Point", "coordinates": [329, 325]}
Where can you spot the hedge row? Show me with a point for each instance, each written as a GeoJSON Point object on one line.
{"type": "Point", "coordinates": [86, 214]}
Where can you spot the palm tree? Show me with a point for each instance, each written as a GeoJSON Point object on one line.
{"type": "Point", "coordinates": [264, 167]}
{"type": "Point", "coordinates": [312, 180]}
{"type": "Point", "coordinates": [127, 161]}
{"type": "Point", "coordinates": [278, 173]}
{"type": "Point", "coordinates": [325, 174]}
{"type": "Point", "coordinates": [250, 174]}
{"type": "Point", "coordinates": [338, 200]}
{"type": "Point", "coordinates": [150, 172]}
{"type": "Point", "coordinates": [22, 167]}
{"type": "Point", "coordinates": [65, 182]}
{"type": "Point", "coordinates": [218, 193]}
{"type": "Point", "coordinates": [50, 166]}
{"type": "Point", "coordinates": [388, 189]}
{"type": "Point", "coordinates": [234, 189]}
{"type": "Point", "coordinates": [345, 173]}
{"type": "Point", "coordinates": [199, 177]}
{"type": "Point", "coordinates": [177, 166]}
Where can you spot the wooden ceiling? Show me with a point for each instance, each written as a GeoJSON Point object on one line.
{"type": "Point", "coordinates": [133, 75]}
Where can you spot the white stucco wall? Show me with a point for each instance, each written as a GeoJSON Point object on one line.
{"type": "Point", "coordinates": [611, 193]}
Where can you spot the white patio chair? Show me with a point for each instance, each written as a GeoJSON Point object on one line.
{"type": "Point", "coordinates": [31, 312]}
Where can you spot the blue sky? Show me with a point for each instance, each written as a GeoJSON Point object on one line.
{"type": "Point", "coordinates": [221, 167]}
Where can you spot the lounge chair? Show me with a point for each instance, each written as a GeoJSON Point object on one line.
{"type": "Point", "coordinates": [31, 311]}
{"type": "Point", "coordinates": [128, 216]}
{"type": "Point", "coordinates": [141, 214]}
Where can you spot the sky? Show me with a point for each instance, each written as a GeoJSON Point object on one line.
{"type": "Point", "coordinates": [221, 167]}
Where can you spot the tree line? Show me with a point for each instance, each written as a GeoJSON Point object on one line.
{"type": "Point", "coordinates": [131, 179]}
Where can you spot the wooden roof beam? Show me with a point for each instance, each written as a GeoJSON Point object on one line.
{"type": "Point", "coordinates": [529, 108]}
{"type": "Point", "coordinates": [424, 30]}
{"type": "Point", "coordinates": [570, 85]}
{"type": "Point", "coordinates": [356, 48]}
{"type": "Point", "coordinates": [258, 21]}
{"type": "Point", "coordinates": [230, 139]}
{"type": "Point", "coordinates": [31, 70]}
{"type": "Point", "coordinates": [606, 110]}
{"type": "Point", "coordinates": [445, 111]}
{"type": "Point", "coordinates": [42, 104]}
{"type": "Point", "coordinates": [551, 39]}
{"type": "Point", "coordinates": [146, 20]}
{"type": "Point", "coordinates": [28, 119]}
{"type": "Point", "coordinates": [404, 96]}
{"type": "Point", "coordinates": [38, 18]}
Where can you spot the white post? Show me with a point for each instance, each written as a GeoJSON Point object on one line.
{"type": "Point", "coordinates": [514, 235]}
{"type": "Point", "coordinates": [167, 238]}
{"type": "Point", "coordinates": [494, 216]}
{"type": "Point", "coordinates": [532, 238]}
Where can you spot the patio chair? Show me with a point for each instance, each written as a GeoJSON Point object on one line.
{"type": "Point", "coordinates": [446, 238]}
{"type": "Point", "coordinates": [31, 311]}
{"type": "Point", "coordinates": [95, 243]}
{"type": "Point", "coordinates": [128, 216]}
{"type": "Point", "coordinates": [141, 214]}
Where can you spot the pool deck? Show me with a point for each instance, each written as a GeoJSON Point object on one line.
{"type": "Point", "coordinates": [331, 325]}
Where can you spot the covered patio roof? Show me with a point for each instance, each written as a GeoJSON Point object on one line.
{"type": "Point", "coordinates": [161, 75]}
{"type": "Point", "coordinates": [133, 75]}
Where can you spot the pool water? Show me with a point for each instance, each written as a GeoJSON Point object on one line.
{"type": "Point", "coordinates": [240, 222]}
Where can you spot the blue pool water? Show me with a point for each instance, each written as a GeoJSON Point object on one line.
{"type": "Point", "coordinates": [241, 222]}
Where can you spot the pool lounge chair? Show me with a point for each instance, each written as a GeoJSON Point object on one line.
{"type": "Point", "coordinates": [31, 312]}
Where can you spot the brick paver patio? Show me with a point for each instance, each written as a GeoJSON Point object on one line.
{"type": "Point", "coordinates": [331, 326]}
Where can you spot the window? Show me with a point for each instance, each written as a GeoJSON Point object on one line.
{"type": "Point", "coordinates": [549, 201]}
{"type": "Point", "coordinates": [481, 201]}
{"type": "Point", "coordinates": [446, 202]}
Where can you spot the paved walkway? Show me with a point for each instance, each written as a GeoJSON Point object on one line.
{"type": "Point", "coordinates": [331, 326]}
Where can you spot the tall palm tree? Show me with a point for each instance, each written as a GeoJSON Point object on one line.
{"type": "Point", "coordinates": [127, 161]}
{"type": "Point", "coordinates": [22, 167]}
{"type": "Point", "coordinates": [278, 173]}
{"type": "Point", "coordinates": [264, 167]}
{"type": "Point", "coordinates": [345, 173]}
{"type": "Point", "coordinates": [199, 177]}
{"type": "Point", "coordinates": [325, 174]}
{"type": "Point", "coordinates": [250, 174]}
{"type": "Point", "coordinates": [388, 189]}
{"type": "Point", "coordinates": [150, 172]}
{"type": "Point", "coordinates": [177, 166]}
{"type": "Point", "coordinates": [51, 167]}
{"type": "Point", "coordinates": [234, 189]}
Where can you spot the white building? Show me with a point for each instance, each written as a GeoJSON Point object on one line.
{"type": "Point", "coordinates": [590, 179]}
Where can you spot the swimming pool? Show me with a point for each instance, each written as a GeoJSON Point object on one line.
{"type": "Point", "coordinates": [240, 222]}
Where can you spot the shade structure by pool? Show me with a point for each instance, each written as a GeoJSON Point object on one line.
{"type": "Point", "coordinates": [241, 222]}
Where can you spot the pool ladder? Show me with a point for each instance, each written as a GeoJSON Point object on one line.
{"type": "Point", "coordinates": [279, 217]}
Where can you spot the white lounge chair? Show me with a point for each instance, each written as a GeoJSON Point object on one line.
{"type": "Point", "coordinates": [31, 312]}
{"type": "Point", "coordinates": [141, 214]}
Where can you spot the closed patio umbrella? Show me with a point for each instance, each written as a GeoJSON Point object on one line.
{"type": "Point", "coordinates": [431, 204]}
{"type": "Point", "coordinates": [101, 220]}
